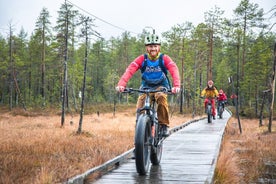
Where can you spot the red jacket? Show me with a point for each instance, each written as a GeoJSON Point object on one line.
{"type": "Point", "coordinates": [222, 97]}
{"type": "Point", "coordinates": [137, 64]}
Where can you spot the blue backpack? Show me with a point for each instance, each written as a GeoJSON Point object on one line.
{"type": "Point", "coordinates": [161, 79]}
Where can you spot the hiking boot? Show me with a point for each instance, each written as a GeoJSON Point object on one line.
{"type": "Point", "coordinates": [165, 131]}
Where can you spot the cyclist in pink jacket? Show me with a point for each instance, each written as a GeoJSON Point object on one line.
{"type": "Point", "coordinates": [154, 66]}
{"type": "Point", "coordinates": [222, 98]}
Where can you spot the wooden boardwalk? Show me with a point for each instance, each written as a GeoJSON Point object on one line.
{"type": "Point", "coordinates": [189, 156]}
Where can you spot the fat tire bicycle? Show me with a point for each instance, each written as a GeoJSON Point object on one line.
{"type": "Point", "coordinates": [148, 132]}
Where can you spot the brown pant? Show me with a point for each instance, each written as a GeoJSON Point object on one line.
{"type": "Point", "coordinates": [162, 109]}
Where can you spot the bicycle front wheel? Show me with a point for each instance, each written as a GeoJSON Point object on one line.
{"type": "Point", "coordinates": [142, 144]}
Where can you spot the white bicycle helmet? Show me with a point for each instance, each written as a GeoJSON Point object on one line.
{"type": "Point", "coordinates": [152, 39]}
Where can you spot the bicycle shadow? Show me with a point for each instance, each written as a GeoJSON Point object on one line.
{"type": "Point", "coordinates": [153, 176]}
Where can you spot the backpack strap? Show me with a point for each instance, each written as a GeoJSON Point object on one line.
{"type": "Point", "coordinates": [164, 70]}
{"type": "Point", "coordinates": [145, 63]}
{"type": "Point", "coordinates": [161, 64]}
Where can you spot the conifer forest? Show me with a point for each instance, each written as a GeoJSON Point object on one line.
{"type": "Point", "coordinates": [67, 64]}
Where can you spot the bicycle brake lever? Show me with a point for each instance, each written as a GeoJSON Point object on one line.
{"type": "Point", "coordinates": [128, 90]}
{"type": "Point", "coordinates": [165, 90]}
{"type": "Point", "coordinates": [169, 91]}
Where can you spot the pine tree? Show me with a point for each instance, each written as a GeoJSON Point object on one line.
{"type": "Point", "coordinates": [43, 32]}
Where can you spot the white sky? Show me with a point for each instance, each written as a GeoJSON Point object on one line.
{"type": "Point", "coordinates": [130, 15]}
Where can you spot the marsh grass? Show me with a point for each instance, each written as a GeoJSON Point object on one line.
{"type": "Point", "coordinates": [243, 157]}
{"type": "Point", "coordinates": [34, 148]}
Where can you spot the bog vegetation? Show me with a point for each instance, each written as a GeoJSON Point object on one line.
{"type": "Point", "coordinates": [249, 157]}
{"type": "Point", "coordinates": [34, 148]}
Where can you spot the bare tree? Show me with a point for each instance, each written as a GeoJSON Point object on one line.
{"type": "Point", "coordinates": [272, 91]}
{"type": "Point", "coordinates": [86, 32]}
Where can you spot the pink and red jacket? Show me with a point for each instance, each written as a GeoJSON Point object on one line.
{"type": "Point", "coordinates": [137, 63]}
{"type": "Point", "coordinates": [222, 97]}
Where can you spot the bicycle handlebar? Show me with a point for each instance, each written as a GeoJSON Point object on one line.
{"type": "Point", "coordinates": [147, 90]}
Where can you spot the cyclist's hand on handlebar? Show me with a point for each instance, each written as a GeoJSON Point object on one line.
{"type": "Point", "coordinates": [175, 90]}
{"type": "Point", "coordinates": [120, 88]}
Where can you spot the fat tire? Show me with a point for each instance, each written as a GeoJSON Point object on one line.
{"type": "Point", "coordinates": [156, 150]}
{"type": "Point", "coordinates": [142, 144]}
{"type": "Point", "coordinates": [209, 113]}
{"type": "Point", "coordinates": [220, 112]}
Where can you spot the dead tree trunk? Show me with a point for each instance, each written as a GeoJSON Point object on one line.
{"type": "Point", "coordinates": [262, 107]}
{"type": "Point", "coordinates": [84, 74]}
{"type": "Point", "coordinates": [65, 82]}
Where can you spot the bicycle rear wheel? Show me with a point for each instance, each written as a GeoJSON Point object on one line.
{"type": "Point", "coordinates": [142, 144]}
{"type": "Point", "coordinates": [157, 148]}
{"type": "Point", "coordinates": [220, 111]}
{"type": "Point", "coordinates": [209, 113]}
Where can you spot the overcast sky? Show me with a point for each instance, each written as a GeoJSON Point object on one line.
{"type": "Point", "coordinates": [129, 15]}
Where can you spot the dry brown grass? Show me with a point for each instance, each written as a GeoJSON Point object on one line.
{"type": "Point", "coordinates": [35, 149]}
{"type": "Point", "coordinates": [243, 157]}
